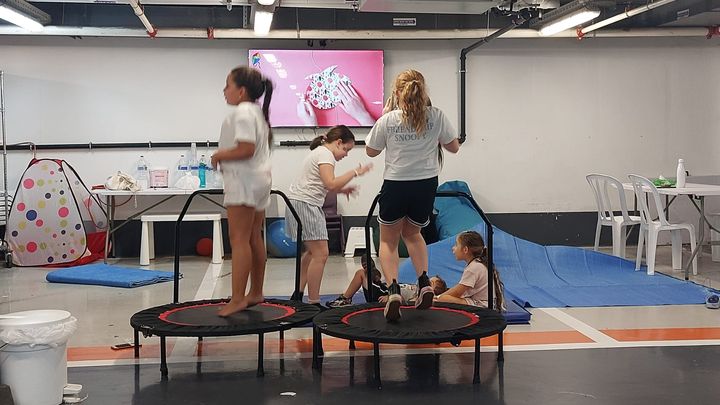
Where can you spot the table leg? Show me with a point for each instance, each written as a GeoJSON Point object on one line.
{"type": "Point", "coordinates": [108, 204]}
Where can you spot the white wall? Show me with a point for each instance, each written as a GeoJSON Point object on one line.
{"type": "Point", "coordinates": [541, 113]}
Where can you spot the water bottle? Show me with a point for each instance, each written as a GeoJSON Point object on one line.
{"type": "Point", "coordinates": [142, 173]}
{"type": "Point", "coordinates": [192, 159]}
{"type": "Point", "coordinates": [181, 169]}
{"type": "Point", "coordinates": [194, 166]}
{"type": "Point", "coordinates": [680, 183]}
{"type": "Point", "coordinates": [202, 166]}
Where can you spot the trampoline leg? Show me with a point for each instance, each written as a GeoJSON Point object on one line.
{"type": "Point", "coordinates": [317, 348]}
{"type": "Point", "coordinates": [282, 335]}
{"type": "Point", "coordinates": [501, 352]}
{"type": "Point", "coordinates": [476, 371]}
{"type": "Point", "coordinates": [137, 344]}
{"type": "Point", "coordinates": [163, 357]}
{"type": "Point", "coordinates": [261, 351]}
{"type": "Point", "coordinates": [352, 345]}
{"type": "Point", "coordinates": [376, 360]}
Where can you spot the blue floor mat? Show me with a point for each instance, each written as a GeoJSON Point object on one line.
{"type": "Point", "coordinates": [514, 315]}
{"type": "Point", "coordinates": [108, 275]}
{"type": "Point", "coordinates": [563, 276]}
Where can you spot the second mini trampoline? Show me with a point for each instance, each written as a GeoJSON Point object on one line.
{"type": "Point", "coordinates": [443, 323]}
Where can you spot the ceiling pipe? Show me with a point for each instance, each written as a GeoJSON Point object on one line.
{"type": "Point", "coordinates": [239, 33]}
{"type": "Point", "coordinates": [137, 8]}
{"type": "Point", "coordinates": [517, 21]}
{"type": "Point", "coordinates": [622, 16]}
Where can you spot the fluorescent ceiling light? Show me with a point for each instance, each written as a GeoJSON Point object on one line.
{"type": "Point", "coordinates": [20, 19]}
{"type": "Point", "coordinates": [263, 20]}
{"type": "Point", "coordinates": [266, 2]}
{"type": "Point", "coordinates": [574, 19]}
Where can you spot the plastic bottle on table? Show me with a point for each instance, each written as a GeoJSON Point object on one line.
{"type": "Point", "coordinates": [680, 182]}
{"type": "Point", "coordinates": [192, 159]}
{"type": "Point", "coordinates": [202, 167]}
{"type": "Point", "coordinates": [142, 173]}
{"type": "Point", "coordinates": [181, 169]}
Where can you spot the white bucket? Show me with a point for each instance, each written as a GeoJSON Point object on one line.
{"type": "Point", "coordinates": [33, 361]}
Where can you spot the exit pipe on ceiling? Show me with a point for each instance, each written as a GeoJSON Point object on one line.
{"type": "Point", "coordinates": [622, 16]}
{"type": "Point", "coordinates": [137, 8]}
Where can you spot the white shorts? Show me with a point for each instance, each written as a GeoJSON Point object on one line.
{"type": "Point", "coordinates": [252, 190]}
{"type": "Point", "coordinates": [312, 219]}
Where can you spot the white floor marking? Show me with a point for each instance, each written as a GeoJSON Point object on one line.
{"type": "Point", "coordinates": [185, 346]}
{"type": "Point", "coordinates": [385, 352]}
{"type": "Point", "coordinates": [578, 325]}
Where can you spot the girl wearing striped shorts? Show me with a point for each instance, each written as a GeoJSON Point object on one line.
{"type": "Point", "coordinates": [307, 195]}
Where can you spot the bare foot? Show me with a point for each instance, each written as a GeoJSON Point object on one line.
{"type": "Point", "coordinates": [232, 307]}
{"type": "Point", "coordinates": [254, 300]}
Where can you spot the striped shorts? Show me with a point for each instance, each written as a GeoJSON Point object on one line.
{"type": "Point", "coordinates": [312, 218]}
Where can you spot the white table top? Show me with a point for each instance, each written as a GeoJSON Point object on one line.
{"type": "Point", "coordinates": [689, 189]}
{"type": "Point", "coordinates": [148, 192]}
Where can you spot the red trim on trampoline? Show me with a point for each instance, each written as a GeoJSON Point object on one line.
{"type": "Point", "coordinates": [164, 316]}
{"type": "Point", "coordinates": [473, 318]}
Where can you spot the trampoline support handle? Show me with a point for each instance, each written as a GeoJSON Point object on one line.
{"type": "Point", "coordinates": [203, 192]}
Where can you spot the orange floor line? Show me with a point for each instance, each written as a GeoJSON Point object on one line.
{"type": "Point", "coordinates": [634, 335]}
{"type": "Point", "coordinates": [106, 353]}
{"type": "Point", "coordinates": [274, 346]}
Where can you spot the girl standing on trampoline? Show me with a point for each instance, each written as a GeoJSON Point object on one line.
{"type": "Point", "coordinates": [473, 286]}
{"type": "Point", "coordinates": [244, 158]}
{"type": "Point", "coordinates": [410, 136]}
{"type": "Point", "coordinates": [307, 194]}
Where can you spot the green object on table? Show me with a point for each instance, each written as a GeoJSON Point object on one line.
{"type": "Point", "coordinates": [664, 183]}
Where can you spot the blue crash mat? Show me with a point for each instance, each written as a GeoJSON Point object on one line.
{"type": "Point", "coordinates": [108, 275]}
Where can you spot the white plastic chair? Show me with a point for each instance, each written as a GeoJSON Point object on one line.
{"type": "Point", "coordinates": [652, 228]}
{"type": "Point", "coordinates": [601, 186]}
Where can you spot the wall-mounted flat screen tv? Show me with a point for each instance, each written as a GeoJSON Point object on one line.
{"type": "Point", "coordinates": [322, 87]}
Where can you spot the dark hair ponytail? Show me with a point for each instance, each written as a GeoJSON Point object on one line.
{"type": "Point", "coordinates": [333, 134]}
{"type": "Point", "coordinates": [266, 106]}
{"type": "Point", "coordinates": [256, 85]}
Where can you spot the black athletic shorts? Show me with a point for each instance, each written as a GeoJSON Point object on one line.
{"type": "Point", "coordinates": [413, 199]}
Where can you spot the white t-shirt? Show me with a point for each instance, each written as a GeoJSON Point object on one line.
{"type": "Point", "coordinates": [246, 123]}
{"type": "Point", "coordinates": [309, 187]}
{"type": "Point", "coordinates": [410, 156]}
{"type": "Point", "coordinates": [475, 277]}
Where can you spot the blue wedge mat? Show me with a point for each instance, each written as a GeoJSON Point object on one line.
{"type": "Point", "coordinates": [514, 315]}
{"type": "Point", "coordinates": [108, 275]}
{"type": "Point", "coordinates": [551, 276]}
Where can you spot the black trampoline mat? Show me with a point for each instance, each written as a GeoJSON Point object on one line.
{"type": "Point", "coordinates": [435, 319]}
{"type": "Point", "coordinates": [206, 315]}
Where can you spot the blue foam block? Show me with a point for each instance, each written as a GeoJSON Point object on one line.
{"type": "Point", "coordinates": [108, 275]}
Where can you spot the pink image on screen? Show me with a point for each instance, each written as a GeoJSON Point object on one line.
{"type": "Point", "coordinates": [322, 79]}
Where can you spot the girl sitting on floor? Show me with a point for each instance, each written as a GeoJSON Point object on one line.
{"type": "Point", "coordinates": [473, 286]}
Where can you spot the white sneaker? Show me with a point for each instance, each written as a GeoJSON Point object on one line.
{"type": "Point", "coordinates": [392, 308]}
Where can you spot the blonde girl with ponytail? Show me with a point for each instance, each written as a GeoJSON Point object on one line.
{"type": "Point", "coordinates": [409, 132]}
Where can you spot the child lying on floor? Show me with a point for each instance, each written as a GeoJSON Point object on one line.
{"type": "Point", "coordinates": [379, 288]}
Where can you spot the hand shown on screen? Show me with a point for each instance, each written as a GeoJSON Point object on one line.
{"type": "Point", "coordinates": [306, 113]}
{"type": "Point", "coordinates": [352, 104]}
